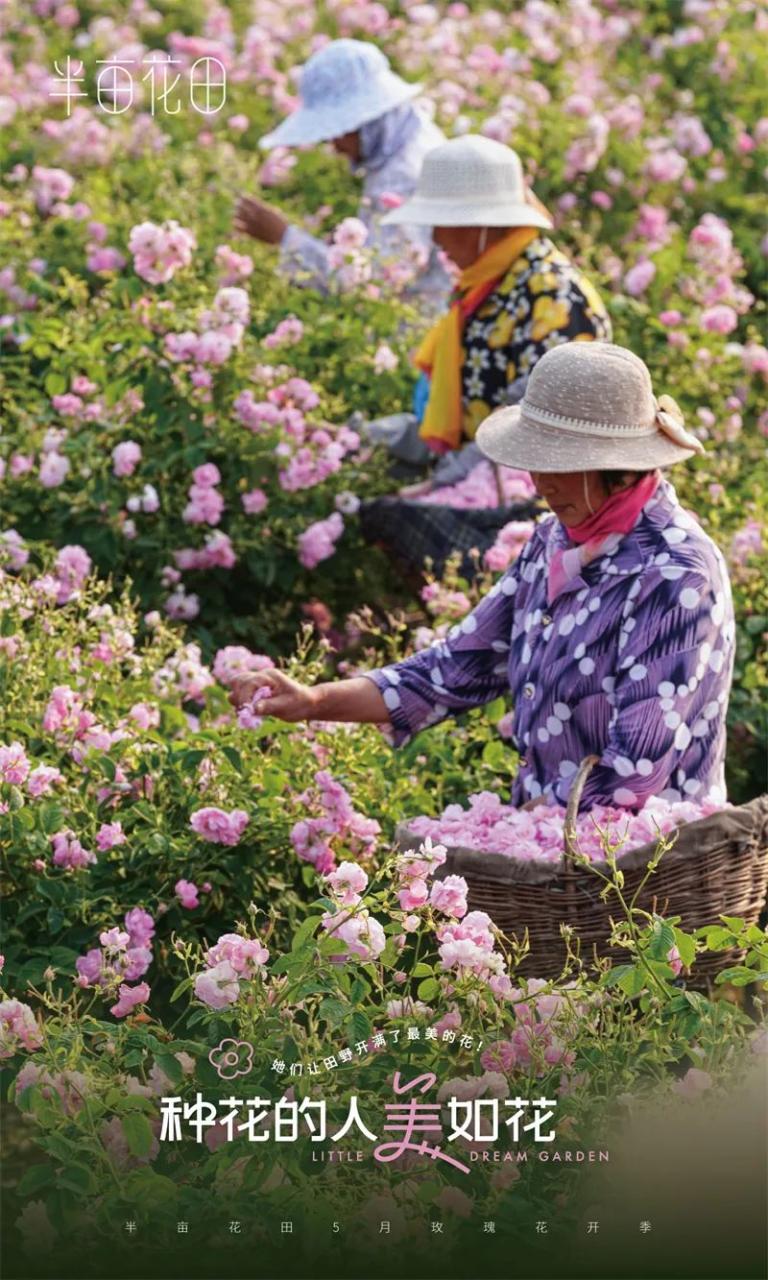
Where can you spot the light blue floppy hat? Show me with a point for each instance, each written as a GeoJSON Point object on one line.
{"type": "Point", "coordinates": [343, 86]}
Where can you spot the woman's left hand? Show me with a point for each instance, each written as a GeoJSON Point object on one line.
{"type": "Point", "coordinates": [259, 220]}
{"type": "Point", "coordinates": [531, 804]}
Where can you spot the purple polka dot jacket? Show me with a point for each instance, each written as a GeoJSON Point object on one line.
{"type": "Point", "coordinates": [631, 662]}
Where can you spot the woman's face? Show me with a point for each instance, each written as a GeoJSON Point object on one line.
{"type": "Point", "coordinates": [571, 493]}
{"type": "Point", "coordinates": [348, 145]}
{"type": "Point", "coordinates": [461, 244]}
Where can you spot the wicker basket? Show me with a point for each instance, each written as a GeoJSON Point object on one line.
{"type": "Point", "coordinates": [717, 866]}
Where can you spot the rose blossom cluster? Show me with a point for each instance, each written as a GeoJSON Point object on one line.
{"type": "Point", "coordinates": [413, 869]}
{"type": "Point", "coordinates": [231, 960]}
{"type": "Point", "coordinates": [538, 1041]}
{"type": "Point", "coordinates": [205, 504]}
{"type": "Point", "coordinates": [353, 925]}
{"type": "Point", "coordinates": [288, 332]}
{"type": "Point", "coordinates": [351, 267]}
{"type": "Point", "coordinates": [216, 552]}
{"type": "Point", "coordinates": [722, 300]}
{"type": "Point", "coordinates": [747, 541]}
{"type": "Point", "coordinates": [65, 580]}
{"type": "Point", "coordinates": [125, 458]}
{"type": "Point", "coordinates": [361, 932]}
{"type": "Point", "coordinates": [232, 267]}
{"type": "Point", "coordinates": [73, 726]}
{"type": "Point", "coordinates": [509, 543]}
{"type": "Point", "coordinates": [183, 674]}
{"type": "Point", "coordinates": [441, 602]}
{"type": "Point", "coordinates": [18, 1029]}
{"type": "Point", "coordinates": [219, 827]}
{"type": "Point", "coordinates": [72, 567]}
{"type": "Point", "coordinates": [537, 834]}
{"type": "Point", "coordinates": [68, 852]}
{"type": "Point", "coordinates": [481, 490]}
{"type": "Point", "coordinates": [285, 407]}
{"type": "Point", "coordinates": [123, 957]}
{"type": "Point", "coordinates": [334, 817]}
{"type": "Point", "coordinates": [234, 661]}
{"type": "Point", "coordinates": [318, 458]}
{"type": "Point", "coordinates": [51, 187]}
{"type": "Point", "coordinates": [69, 1087]}
{"type": "Point", "coordinates": [318, 541]}
{"type": "Point", "coordinates": [221, 332]}
{"type": "Point", "coordinates": [467, 949]}
{"type": "Point", "coordinates": [160, 251]}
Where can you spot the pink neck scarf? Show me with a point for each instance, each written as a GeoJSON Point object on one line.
{"type": "Point", "coordinates": [616, 516]}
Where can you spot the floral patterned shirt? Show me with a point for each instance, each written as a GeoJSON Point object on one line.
{"type": "Point", "coordinates": [631, 662]}
{"type": "Point", "coordinates": [542, 301]}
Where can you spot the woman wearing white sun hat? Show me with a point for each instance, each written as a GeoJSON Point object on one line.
{"type": "Point", "coordinates": [613, 631]}
{"type": "Point", "coordinates": [518, 295]}
{"type": "Point", "coordinates": [350, 96]}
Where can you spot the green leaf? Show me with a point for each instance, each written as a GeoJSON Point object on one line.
{"type": "Point", "coordinates": [496, 756]}
{"type": "Point", "coordinates": [358, 1027]}
{"type": "Point", "coordinates": [138, 1133]}
{"type": "Point", "coordinates": [716, 938]}
{"type": "Point", "coordinates": [428, 989]}
{"type": "Point", "coordinates": [633, 982]}
{"type": "Point", "coordinates": [422, 970]}
{"type": "Point", "coordinates": [183, 986]}
{"type": "Point", "coordinates": [118, 1101]}
{"type": "Point", "coordinates": [495, 710]}
{"type": "Point", "coordinates": [662, 939]}
{"type": "Point", "coordinates": [614, 975]}
{"type": "Point", "coordinates": [170, 1066]}
{"type": "Point", "coordinates": [334, 1012]}
{"type": "Point", "coordinates": [55, 383]}
{"type": "Point", "coordinates": [333, 946]}
{"type": "Point", "coordinates": [39, 1175]}
{"type": "Point", "coordinates": [358, 991]}
{"type": "Point", "coordinates": [146, 1188]}
{"type": "Point", "coordinates": [628, 977]}
{"type": "Point", "coordinates": [686, 945]}
{"type": "Point", "coordinates": [77, 1177]}
{"type": "Point", "coordinates": [305, 931]}
{"type": "Point", "coordinates": [234, 757]}
{"type": "Point", "coordinates": [192, 758]}
{"type": "Point", "coordinates": [739, 975]}
{"type": "Point", "coordinates": [737, 923]}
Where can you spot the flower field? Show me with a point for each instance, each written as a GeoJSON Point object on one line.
{"type": "Point", "coordinates": [180, 481]}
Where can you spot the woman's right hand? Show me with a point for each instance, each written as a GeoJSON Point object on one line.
{"type": "Point", "coordinates": [261, 221]}
{"type": "Point", "coordinates": [289, 700]}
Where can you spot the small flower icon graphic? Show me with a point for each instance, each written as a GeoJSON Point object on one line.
{"type": "Point", "coordinates": [232, 1058]}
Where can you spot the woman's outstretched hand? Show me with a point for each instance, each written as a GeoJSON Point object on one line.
{"type": "Point", "coordinates": [355, 701]}
{"type": "Point", "coordinates": [259, 220]}
{"type": "Point", "coordinates": [289, 700]}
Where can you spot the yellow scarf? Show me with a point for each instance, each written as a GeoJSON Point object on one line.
{"type": "Point", "coordinates": [441, 355]}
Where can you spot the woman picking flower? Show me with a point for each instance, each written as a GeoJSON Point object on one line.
{"type": "Point", "coordinates": [517, 296]}
{"type": "Point", "coordinates": [613, 630]}
{"type": "Point", "coordinates": [351, 98]}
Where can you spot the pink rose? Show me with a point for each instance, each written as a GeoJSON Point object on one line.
{"type": "Point", "coordinates": [219, 827]}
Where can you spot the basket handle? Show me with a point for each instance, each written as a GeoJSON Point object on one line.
{"type": "Point", "coordinates": [574, 797]}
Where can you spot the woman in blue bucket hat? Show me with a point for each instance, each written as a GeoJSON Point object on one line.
{"type": "Point", "coordinates": [350, 96]}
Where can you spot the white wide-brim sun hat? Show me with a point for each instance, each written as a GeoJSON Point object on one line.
{"type": "Point", "coordinates": [469, 182]}
{"type": "Point", "coordinates": [588, 406]}
{"type": "Point", "coordinates": [343, 86]}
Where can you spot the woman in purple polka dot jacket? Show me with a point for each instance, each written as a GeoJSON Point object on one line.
{"type": "Point", "coordinates": [613, 630]}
